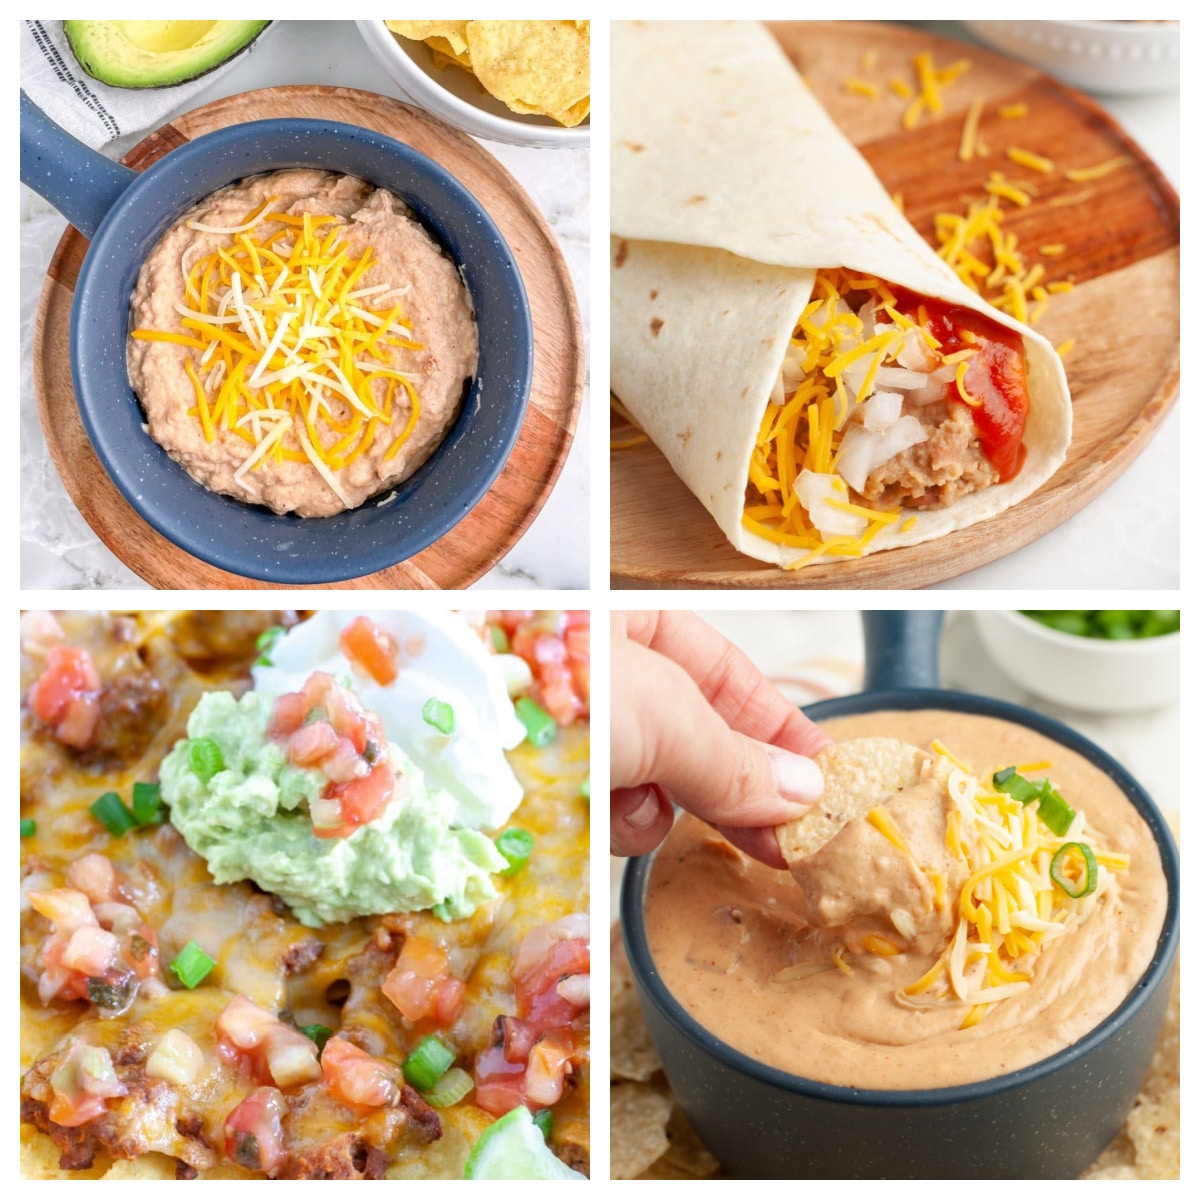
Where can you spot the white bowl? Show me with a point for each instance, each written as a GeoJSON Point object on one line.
{"type": "Point", "coordinates": [1129, 57]}
{"type": "Point", "coordinates": [1091, 674]}
{"type": "Point", "coordinates": [457, 97]}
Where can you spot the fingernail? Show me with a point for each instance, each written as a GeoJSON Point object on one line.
{"type": "Point", "coordinates": [646, 813]}
{"type": "Point", "coordinates": [798, 779]}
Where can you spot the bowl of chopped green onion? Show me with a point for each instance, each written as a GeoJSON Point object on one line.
{"type": "Point", "coordinates": [1096, 660]}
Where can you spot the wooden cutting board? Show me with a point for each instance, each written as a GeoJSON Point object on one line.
{"type": "Point", "coordinates": [496, 524]}
{"type": "Point", "coordinates": [1122, 254]}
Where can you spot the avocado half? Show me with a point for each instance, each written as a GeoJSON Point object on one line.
{"type": "Point", "coordinates": [146, 54]}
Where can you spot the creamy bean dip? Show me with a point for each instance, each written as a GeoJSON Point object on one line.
{"type": "Point", "coordinates": [300, 341]}
{"type": "Point", "coordinates": [829, 980]}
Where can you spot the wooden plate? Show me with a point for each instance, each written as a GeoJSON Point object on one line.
{"type": "Point", "coordinates": [1122, 253]}
{"type": "Point", "coordinates": [495, 525]}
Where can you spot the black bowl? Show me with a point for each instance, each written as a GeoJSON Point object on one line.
{"type": "Point", "coordinates": [1049, 1120]}
{"type": "Point", "coordinates": [125, 213]}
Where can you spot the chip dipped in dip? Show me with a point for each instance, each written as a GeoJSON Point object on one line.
{"type": "Point", "coordinates": [972, 924]}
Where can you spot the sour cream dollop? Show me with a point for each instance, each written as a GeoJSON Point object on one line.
{"type": "Point", "coordinates": [440, 657]}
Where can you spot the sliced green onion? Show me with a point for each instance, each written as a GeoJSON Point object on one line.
{"type": "Point", "coordinates": [454, 1086]}
{"type": "Point", "coordinates": [28, 827]}
{"type": "Point", "coordinates": [585, 788]}
{"type": "Point", "coordinates": [1014, 785]}
{"type": "Point", "coordinates": [428, 1063]}
{"type": "Point", "coordinates": [111, 812]}
{"type": "Point", "coordinates": [499, 640]}
{"type": "Point", "coordinates": [439, 714]}
{"type": "Point", "coordinates": [1053, 811]}
{"type": "Point", "coordinates": [516, 845]}
{"type": "Point", "coordinates": [1074, 888]}
{"type": "Point", "coordinates": [266, 643]}
{"type": "Point", "coordinates": [540, 727]}
{"type": "Point", "coordinates": [544, 1120]}
{"type": "Point", "coordinates": [317, 1033]}
{"type": "Point", "coordinates": [147, 803]}
{"type": "Point", "coordinates": [205, 758]}
{"type": "Point", "coordinates": [191, 965]}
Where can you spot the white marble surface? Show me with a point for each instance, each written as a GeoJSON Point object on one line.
{"type": "Point", "coordinates": [828, 646]}
{"type": "Point", "coordinates": [59, 550]}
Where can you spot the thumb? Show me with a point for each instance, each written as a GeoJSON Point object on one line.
{"type": "Point", "coordinates": [664, 731]}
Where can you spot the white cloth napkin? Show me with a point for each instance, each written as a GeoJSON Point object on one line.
{"type": "Point", "coordinates": [87, 109]}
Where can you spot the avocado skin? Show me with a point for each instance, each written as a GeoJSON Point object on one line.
{"type": "Point", "coordinates": [106, 55]}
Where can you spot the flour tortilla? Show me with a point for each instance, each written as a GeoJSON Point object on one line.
{"type": "Point", "coordinates": [731, 187]}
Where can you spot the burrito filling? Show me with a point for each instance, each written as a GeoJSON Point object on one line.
{"type": "Point", "coordinates": [885, 401]}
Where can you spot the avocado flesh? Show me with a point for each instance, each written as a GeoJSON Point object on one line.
{"type": "Point", "coordinates": [143, 54]}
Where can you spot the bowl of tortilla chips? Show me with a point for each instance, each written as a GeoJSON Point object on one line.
{"type": "Point", "coordinates": [527, 83]}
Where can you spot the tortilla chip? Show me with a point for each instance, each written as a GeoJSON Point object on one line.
{"type": "Point", "coordinates": [454, 32]}
{"type": "Point", "coordinates": [532, 66]}
{"type": "Point", "coordinates": [575, 114]}
{"type": "Point", "coordinates": [859, 774]}
{"type": "Point", "coordinates": [687, 1152]}
{"type": "Point", "coordinates": [444, 53]}
{"type": "Point", "coordinates": [631, 1053]}
{"type": "Point", "coordinates": [639, 1113]}
{"type": "Point", "coordinates": [148, 1166]}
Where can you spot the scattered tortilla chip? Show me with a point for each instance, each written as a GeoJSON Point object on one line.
{"type": "Point", "coordinates": [859, 774]}
{"type": "Point", "coordinates": [631, 1053]}
{"type": "Point", "coordinates": [148, 1166]}
{"type": "Point", "coordinates": [687, 1151]}
{"type": "Point", "coordinates": [639, 1113]}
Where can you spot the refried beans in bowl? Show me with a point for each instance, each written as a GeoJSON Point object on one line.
{"type": "Point", "coordinates": [299, 341]}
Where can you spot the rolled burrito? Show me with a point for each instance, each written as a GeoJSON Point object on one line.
{"type": "Point", "coordinates": [821, 380]}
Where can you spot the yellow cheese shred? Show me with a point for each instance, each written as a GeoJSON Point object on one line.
{"type": "Point", "coordinates": [1008, 906]}
{"type": "Point", "coordinates": [291, 348]}
{"type": "Point", "coordinates": [1026, 158]}
{"type": "Point", "coordinates": [1085, 174]}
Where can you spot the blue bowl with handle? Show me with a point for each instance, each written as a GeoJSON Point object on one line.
{"type": "Point", "coordinates": [1049, 1120]}
{"type": "Point", "coordinates": [124, 213]}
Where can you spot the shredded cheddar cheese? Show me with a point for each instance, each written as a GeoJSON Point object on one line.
{"type": "Point", "coordinates": [295, 352]}
{"type": "Point", "coordinates": [862, 88]}
{"type": "Point", "coordinates": [1026, 158]}
{"type": "Point", "coordinates": [1008, 906]}
{"type": "Point", "coordinates": [1086, 174]}
{"type": "Point", "coordinates": [1008, 111]}
{"type": "Point", "coordinates": [967, 146]}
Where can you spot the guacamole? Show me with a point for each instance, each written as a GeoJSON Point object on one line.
{"type": "Point", "coordinates": [246, 813]}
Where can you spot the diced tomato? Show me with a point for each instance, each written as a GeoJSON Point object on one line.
{"type": "Point", "coordinates": [557, 648]}
{"type": "Point", "coordinates": [67, 695]}
{"type": "Point", "coordinates": [538, 998]}
{"type": "Point", "coordinates": [311, 743]}
{"type": "Point", "coordinates": [360, 800]}
{"type": "Point", "coordinates": [94, 876]}
{"type": "Point", "coordinates": [420, 984]}
{"type": "Point", "coordinates": [90, 950]}
{"type": "Point", "coordinates": [82, 1084]}
{"type": "Point", "coordinates": [354, 1077]}
{"type": "Point", "coordinates": [275, 1052]}
{"type": "Point", "coordinates": [371, 649]}
{"type": "Point", "coordinates": [516, 1036]}
{"type": "Point", "coordinates": [549, 1065]}
{"type": "Point", "coordinates": [68, 908]}
{"type": "Point", "coordinates": [288, 714]}
{"type": "Point", "coordinates": [499, 1084]}
{"type": "Point", "coordinates": [254, 1131]}
{"type": "Point", "coordinates": [326, 728]}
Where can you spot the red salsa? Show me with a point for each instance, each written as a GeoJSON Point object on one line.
{"type": "Point", "coordinates": [995, 375]}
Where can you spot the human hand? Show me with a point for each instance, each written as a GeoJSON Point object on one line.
{"type": "Point", "coordinates": [694, 722]}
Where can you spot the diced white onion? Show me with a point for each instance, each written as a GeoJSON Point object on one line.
{"type": "Point", "coordinates": [864, 451]}
{"type": "Point", "coordinates": [814, 490]}
{"type": "Point", "coordinates": [176, 1058]}
{"type": "Point", "coordinates": [882, 410]}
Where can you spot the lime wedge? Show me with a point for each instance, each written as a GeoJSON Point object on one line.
{"type": "Point", "coordinates": [513, 1148]}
